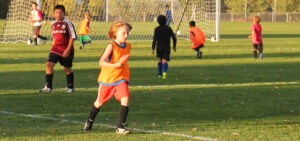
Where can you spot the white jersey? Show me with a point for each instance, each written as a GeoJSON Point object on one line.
{"type": "Point", "coordinates": [37, 15]}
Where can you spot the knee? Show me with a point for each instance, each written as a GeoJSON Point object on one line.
{"type": "Point", "coordinates": [124, 101]}
{"type": "Point", "coordinates": [97, 104]}
{"type": "Point", "coordinates": [67, 70]}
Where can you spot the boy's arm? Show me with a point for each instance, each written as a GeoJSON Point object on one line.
{"type": "Point", "coordinates": [103, 60]}
{"type": "Point", "coordinates": [174, 40]}
{"type": "Point", "coordinates": [67, 51]}
{"type": "Point", "coordinates": [72, 34]}
{"type": "Point", "coordinates": [192, 37]}
{"type": "Point", "coordinates": [154, 41]}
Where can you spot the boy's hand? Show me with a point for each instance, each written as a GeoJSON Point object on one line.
{"type": "Point", "coordinates": [118, 64]}
{"type": "Point", "coordinates": [152, 51]}
{"type": "Point", "coordinates": [174, 49]}
{"type": "Point", "coordinates": [250, 36]}
{"type": "Point", "coordinates": [66, 53]}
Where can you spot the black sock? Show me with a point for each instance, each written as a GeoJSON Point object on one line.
{"type": "Point", "coordinates": [93, 114]}
{"type": "Point", "coordinates": [35, 40]}
{"type": "Point", "coordinates": [49, 78]}
{"type": "Point", "coordinates": [123, 115]}
{"type": "Point", "coordinates": [44, 38]}
{"type": "Point", "coordinates": [255, 54]}
{"type": "Point", "coordinates": [70, 80]}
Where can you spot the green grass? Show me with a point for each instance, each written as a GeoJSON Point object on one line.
{"type": "Point", "coordinates": [259, 112]}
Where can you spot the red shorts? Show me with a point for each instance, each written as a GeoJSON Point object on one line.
{"type": "Point", "coordinates": [106, 92]}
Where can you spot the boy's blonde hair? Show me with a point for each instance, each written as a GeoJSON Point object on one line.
{"type": "Point", "coordinates": [256, 19]}
{"type": "Point", "coordinates": [115, 27]}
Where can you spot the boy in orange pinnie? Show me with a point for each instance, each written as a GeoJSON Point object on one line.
{"type": "Point", "coordinates": [197, 38]}
{"type": "Point", "coordinates": [84, 31]}
{"type": "Point", "coordinates": [114, 76]}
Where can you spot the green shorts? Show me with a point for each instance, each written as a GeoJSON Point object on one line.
{"type": "Point", "coordinates": [84, 38]}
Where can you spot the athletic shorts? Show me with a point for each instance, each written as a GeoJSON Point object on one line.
{"type": "Point", "coordinates": [118, 91]}
{"type": "Point", "coordinates": [84, 38]}
{"type": "Point", "coordinates": [258, 46]}
{"type": "Point", "coordinates": [163, 54]}
{"type": "Point", "coordinates": [35, 29]}
{"type": "Point", "coordinates": [200, 46]}
{"type": "Point", "coordinates": [66, 62]}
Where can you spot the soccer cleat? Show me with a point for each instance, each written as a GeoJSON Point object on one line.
{"type": "Point", "coordinates": [164, 76]}
{"type": "Point", "coordinates": [70, 90]}
{"type": "Point", "coordinates": [261, 56]}
{"type": "Point", "coordinates": [123, 131]}
{"type": "Point", "coordinates": [46, 90]}
{"type": "Point", "coordinates": [199, 54]}
{"type": "Point", "coordinates": [88, 125]}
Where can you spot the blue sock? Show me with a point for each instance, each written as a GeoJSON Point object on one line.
{"type": "Point", "coordinates": [159, 64]}
{"type": "Point", "coordinates": [165, 67]}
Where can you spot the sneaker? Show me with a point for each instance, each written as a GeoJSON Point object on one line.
{"type": "Point", "coordinates": [261, 56]}
{"type": "Point", "coordinates": [159, 76]}
{"type": "Point", "coordinates": [199, 54]}
{"type": "Point", "coordinates": [164, 75]}
{"type": "Point", "coordinates": [88, 125]}
{"type": "Point", "coordinates": [46, 90]}
{"type": "Point", "coordinates": [121, 130]}
{"type": "Point", "coordinates": [70, 90]}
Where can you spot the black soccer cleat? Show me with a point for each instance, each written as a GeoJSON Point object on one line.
{"type": "Point", "coordinates": [199, 54]}
{"type": "Point", "coordinates": [88, 125]}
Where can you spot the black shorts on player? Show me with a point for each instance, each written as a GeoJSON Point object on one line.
{"type": "Point", "coordinates": [258, 47]}
{"type": "Point", "coordinates": [66, 62]}
{"type": "Point", "coordinates": [163, 53]}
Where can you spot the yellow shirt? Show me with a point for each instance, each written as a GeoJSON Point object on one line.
{"type": "Point", "coordinates": [83, 27]}
{"type": "Point", "coordinates": [110, 75]}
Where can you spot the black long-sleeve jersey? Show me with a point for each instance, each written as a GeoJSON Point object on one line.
{"type": "Point", "coordinates": [161, 37]}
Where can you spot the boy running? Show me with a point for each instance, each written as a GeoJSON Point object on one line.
{"type": "Point", "coordinates": [161, 41]}
{"type": "Point", "coordinates": [197, 38]}
{"type": "Point", "coordinates": [114, 76]}
{"type": "Point", "coordinates": [36, 18]}
{"type": "Point", "coordinates": [62, 51]}
{"type": "Point", "coordinates": [84, 30]}
{"type": "Point", "coordinates": [256, 37]}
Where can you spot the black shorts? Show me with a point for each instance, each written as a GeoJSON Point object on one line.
{"type": "Point", "coordinates": [163, 54]}
{"type": "Point", "coordinates": [258, 46]}
{"type": "Point", "coordinates": [200, 46]}
{"type": "Point", "coordinates": [66, 62]}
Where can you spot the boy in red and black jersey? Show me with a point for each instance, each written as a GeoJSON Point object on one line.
{"type": "Point", "coordinates": [62, 51]}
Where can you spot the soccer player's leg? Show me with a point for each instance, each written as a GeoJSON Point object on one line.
{"type": "Point", "coordinates": [260, 49]}
{"type": "Point", "coordinates": [104, 94]}
{"type": "Point", "coordinates": [67, 63]}
{"type": "Point", "coordinates": [255, 50]}
{"type": "Point", "coordinates": [51, 61]}
{"type": "Point", "coordinates": [122, 94]}
{"type": "Point", "coordinates": [81, 42]}
{"type": "Point", "coordinates": [159, 62]}
{"type": "Point", "coordinates": [35, 34]}
{"type": "Point", "coordinates": [40, 36]}
{"type": "Point", "coordinates": [165, 59]}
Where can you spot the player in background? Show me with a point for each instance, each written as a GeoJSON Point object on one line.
{"type": "Point", "coordinates": [197, 38]}
{"type": "Point", "coordinates": [84, 30]}
{"type": "Point", "coordinates": [114, 76]}
{"type": "Point", "coordinates": [36, 18]}
{"type": "Point", "coordinates": [62, 51]}
{"type": "Point", "coordinates": [161, 41]}
{"type": "Point", "coordinates": [168, 15]}
{"type": "Point", "coordinates": [257, 37]}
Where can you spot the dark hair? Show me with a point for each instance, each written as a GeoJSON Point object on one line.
{"type": "Point", "coordinates": [34, 3]}
{"type": "Point", "coordinates": [61, 7]}
{"type": "Point", "coordinates": [192, 23]}
{"type": "Point", "coordinates": [167, 6]}
{"type": "Point", "coordinates": [161, 19]}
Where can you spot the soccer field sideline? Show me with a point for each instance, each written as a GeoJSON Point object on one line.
{"type": "Point", "coordinates": [110, 126]}
{"type": "Point", "coordinates": [187, 85]}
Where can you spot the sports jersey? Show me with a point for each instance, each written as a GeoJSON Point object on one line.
{"type": "Point", "coordinates": [82, 30]}
{"type": "Point", "coordinates": [199, 37]}
{"type": "Point", "coordinates": [110, 76]}
{"type": "Point", "coordinates": [62, 32]}
{"type": "Point", "coordinates": [257, 38]}
{"type": "Point", "coordinates": [162, 36]}
{"type": "Point", "coordinates": [37, 15]}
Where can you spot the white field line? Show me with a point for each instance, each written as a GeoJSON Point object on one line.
{"type": "Point", "coordinates": [186, 86]}
{"type": "Point", "coordinates": [110, 126]}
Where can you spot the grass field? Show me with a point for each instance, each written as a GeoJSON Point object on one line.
{"type": "Point", "coordinates": [227, 95]}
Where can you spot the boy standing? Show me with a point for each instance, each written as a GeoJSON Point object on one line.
{"type": "Point", "coordinates": [36, 18]}
{"type": "Point", "coordinates": [197, 38]}
{"type": "Point", "coordinates": [168, 15]}
{"type": "Point", "coordinates": [63, 33]}
{"type": "Point", "coordinates": [161, 40]}
{"type": "Point", "coordinates": [257, 38]}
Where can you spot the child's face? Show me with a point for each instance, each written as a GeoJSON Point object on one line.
{"type": "Point", "coordinates": [59, 14]}
{"type": "Point", "coordinates": [122, 34]}
{"type": "Point", "coordinates": [86, 16]}
{"type": "Point", "coordinates": [34, 7]}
